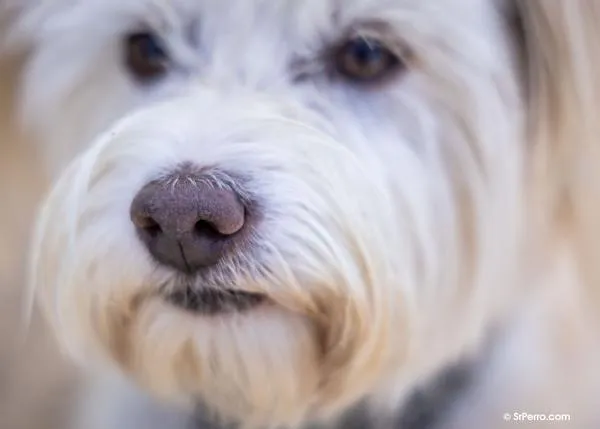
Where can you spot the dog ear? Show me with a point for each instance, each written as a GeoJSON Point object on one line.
{"type": "Point", "coordinates": [562, 71]}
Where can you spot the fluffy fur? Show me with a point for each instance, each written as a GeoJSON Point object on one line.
{"type": "Point", "coordinates": [401, 221]}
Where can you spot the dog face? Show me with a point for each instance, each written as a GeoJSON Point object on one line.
{"type": "Point", "coordinates": [278, 208]}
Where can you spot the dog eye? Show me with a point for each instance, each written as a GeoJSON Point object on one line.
{"type": "Point", "coordinates": [146, 58]}
{"type": "Point", "coordinates": [365, 60]}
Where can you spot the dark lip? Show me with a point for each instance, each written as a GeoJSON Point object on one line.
{"type": "Point", "coordinates": [215, 301]}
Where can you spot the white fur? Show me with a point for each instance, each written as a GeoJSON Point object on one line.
{"type": "Point", "coordinates": [401, 221]}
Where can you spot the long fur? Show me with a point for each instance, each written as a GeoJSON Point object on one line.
{"type": "Point", "coordinates": [401, 223]}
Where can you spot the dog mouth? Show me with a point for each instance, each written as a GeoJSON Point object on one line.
{"type": "Point", "coordinates": [213, 301]}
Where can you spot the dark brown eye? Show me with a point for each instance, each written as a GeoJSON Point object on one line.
{"type": "Point", "coordinates": [145, 56]}
{"type": "Point", "coordinates": [366, 60]}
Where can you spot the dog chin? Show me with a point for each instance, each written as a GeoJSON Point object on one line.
{"type": "Point", "coordinates": [258, 365]}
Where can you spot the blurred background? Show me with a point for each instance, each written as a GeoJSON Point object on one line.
{"type": "Point", "coordinates": [36, 385]}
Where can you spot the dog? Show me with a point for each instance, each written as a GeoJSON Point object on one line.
{"type": "Point", "coordinates": [281, 210]}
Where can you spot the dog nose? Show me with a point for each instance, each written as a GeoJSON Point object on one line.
{"type": "Point", "coordinates": [187, 222]}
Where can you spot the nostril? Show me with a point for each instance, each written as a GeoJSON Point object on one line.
{"type": "Point", "coordinates": [206, 229]}
{"type": "Point", "coordinates": [148, 225]}
{"type": "Point", "coordinates": [153, 228]}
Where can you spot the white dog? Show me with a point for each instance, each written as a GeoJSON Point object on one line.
{"type": "Point", "coordinates": [287, 208]}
